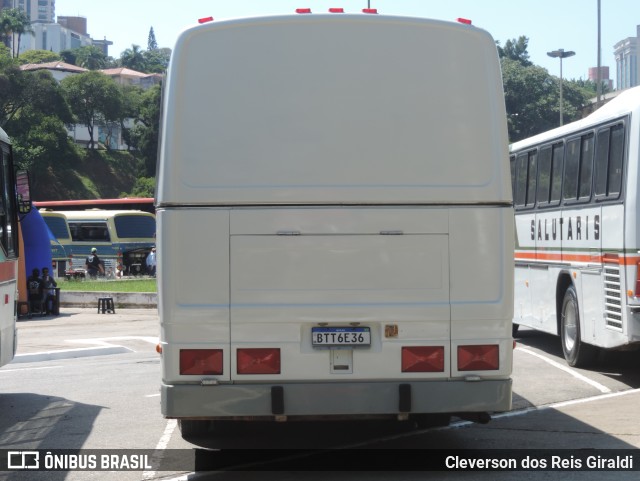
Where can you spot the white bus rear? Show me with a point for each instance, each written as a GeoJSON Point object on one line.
{"type": "Point", "coordinates": [334, 221]}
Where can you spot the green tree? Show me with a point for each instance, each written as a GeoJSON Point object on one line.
{"type": "Point", "coordinates": [152, 44]}
{"type": "Point", "coordinates": [146, 133]}
{"type": "Point", "coordinates": [532, 99]}
{"type": "Point", "coordinates": [90, 57]}
{"type": "Point", "coordinates": [516, 50]}
{"type": "Point", "coordinates": [133, 58]}
{"type": "Point", "coordinates": [39, 56]}
{"type": "Point", "coordinates": [14, 21]}
{"type": "Point", "coordinates": [69, 56]}
{"type": "Point", "coordinates": [156, 61]}
{"type": "Point", "coordinates": [95, 99]}
{"type": "Point", "coordinates": [144, 187]}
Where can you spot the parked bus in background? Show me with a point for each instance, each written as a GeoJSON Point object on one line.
{"type": "Point", "coordinates": [9, 247]}
{"type": "Point", "coordinates": [128, 203]}
{"type": "Point", "coordinates": [577, 201]}
{"type": "Point", "coordinates": [335, 222]}
{"type": "Point", "coordinates": [61, 242]}
{"type": "Point", "coordinates": [123, 238]}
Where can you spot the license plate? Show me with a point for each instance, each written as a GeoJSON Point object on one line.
{"type": "Point", "coordinates": [340, 336]}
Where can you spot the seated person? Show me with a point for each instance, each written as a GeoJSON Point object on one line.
{"type": "Point", "coordinates": [49, 294]}
{"type": "Point", "coordinates": [35, 289]}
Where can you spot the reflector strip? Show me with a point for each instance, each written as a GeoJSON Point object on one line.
{"type": "Point", "coordinates": [422, 359]}
{"type": "Point", "coordinates": [200, 361]}
{"type": "Point", "coordinates": [258, 361]}
{"type": "Point", "coordinates": [479, 358]}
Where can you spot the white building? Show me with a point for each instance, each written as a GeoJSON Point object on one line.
{"type": "Point", "coordinates": [627, 65]}
{"type": "Point", "coordinates": [53, 37]}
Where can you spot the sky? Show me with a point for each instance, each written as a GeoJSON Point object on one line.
{"type": "Point", "coordinates": [549, 24]}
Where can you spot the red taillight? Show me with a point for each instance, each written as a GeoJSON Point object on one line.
{"type": "Point", "coordinates": [200, 361]}
{"type": "Point", "coordinates": [466, 21]}
{"type": "Point", "coordinates": [479, 358]}
{"type": "Point", "coordinates": [303, 10]}
{"type": "Point", "coordinates": [369, 10]}
{"type": "Point", "coordinates": [336, 10]}
{"type": "Point", "coordinates": [423, 359]}
{"type": "Point", "coordinates": [205, 20]}
{"type": "Point", "coordinates": [258, 361]}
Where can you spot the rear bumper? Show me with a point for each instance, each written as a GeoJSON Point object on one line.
{"type": "Point", "coordinates": [334, 399]}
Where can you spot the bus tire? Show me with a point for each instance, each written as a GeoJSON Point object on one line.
{"type": "Point", "coordinates": [576, 352]}
{"type": "Point", "coordinates": [193, 427]}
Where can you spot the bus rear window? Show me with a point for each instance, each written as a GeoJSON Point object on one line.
{"type": "Point", "coordinates": [135, 226]}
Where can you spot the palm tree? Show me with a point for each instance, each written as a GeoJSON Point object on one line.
{"type": "Point", "coordinates": [132, 58]}
{"type": "Point", "coordinates": [14, 21]}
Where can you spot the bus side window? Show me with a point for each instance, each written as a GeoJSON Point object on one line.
{"type": "Point", "coordinates": [556, 173]}
{"type": "Point", "coordinates": [531, 177]}
{"type": "Point", "coordinates": [609, 160]}
{"type": "Point", "coordinates": [521, 180]}
{"type": "Point", "coordinates": [586, 167]}
{"type": "Point", "coordinates": [544, 175]}
{"type": "Point", "coordinates": [512, 164]}
{"type": "Point", "coordinates": [572, 168]}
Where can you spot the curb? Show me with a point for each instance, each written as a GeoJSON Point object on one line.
{"type": "Point", "coordinates": [145, 300]}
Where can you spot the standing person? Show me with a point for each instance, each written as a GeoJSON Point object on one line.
{"type": "Point", "coordinates": [48, 283]}
{"type": "Point", "coordinates": [151, 262]}
{"type": "Point", "coordinates": [35, 290]}
{"type": "Point", "coordinates": [94, 264]}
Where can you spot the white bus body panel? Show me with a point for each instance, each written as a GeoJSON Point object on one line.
{"type": "Point", "coordinates": [334, 170]}
{"type": "Point", "coordinates": [328, 117]}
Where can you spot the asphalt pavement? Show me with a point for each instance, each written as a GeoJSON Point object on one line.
{"type": "Point", "coordinates": [80, 332]}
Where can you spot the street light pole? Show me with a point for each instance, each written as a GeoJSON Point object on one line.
{"type": "Point", "coordinates": [560, 53]}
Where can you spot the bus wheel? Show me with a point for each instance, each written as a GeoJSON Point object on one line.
{"type": "Point", "coordinates": [576, 352]}
{"type": "Point", "coordinates": [193, 428]}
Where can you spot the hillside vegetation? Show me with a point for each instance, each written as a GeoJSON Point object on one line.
{"type": "Point", "coordinates": [94, 174]}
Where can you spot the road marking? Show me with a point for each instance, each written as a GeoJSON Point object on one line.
{"type": "Point", "coordinates": [170, 428]}
{"type": "Point", "coordinates": [160, 447]}
{"type": "Point", "coordinates": [103, 350]}
{"type": "Point", "coordinates": [107, 341]}
{"type": "Point", "coordinates": [600, 387]}
{"type": "Point", "coordinates": [30, 369]}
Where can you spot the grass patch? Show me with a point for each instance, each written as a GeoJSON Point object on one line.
{"type": "Point", "coordinates": [124, 285]}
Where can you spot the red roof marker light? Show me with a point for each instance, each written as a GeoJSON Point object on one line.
{"type": "Point", "coordinates": [466, 21]}
{"type": "Point", "coordinates": [336, 10]}
{"type": "Point", "coordinates": [205, 20]}
{"type": "Point", "coordinates": [303, 10]}
{"type": "Point", "coordinates": [369, 10]}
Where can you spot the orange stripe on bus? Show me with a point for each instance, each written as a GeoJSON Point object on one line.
{"type": "Point", "coordinates": [602, 259]}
